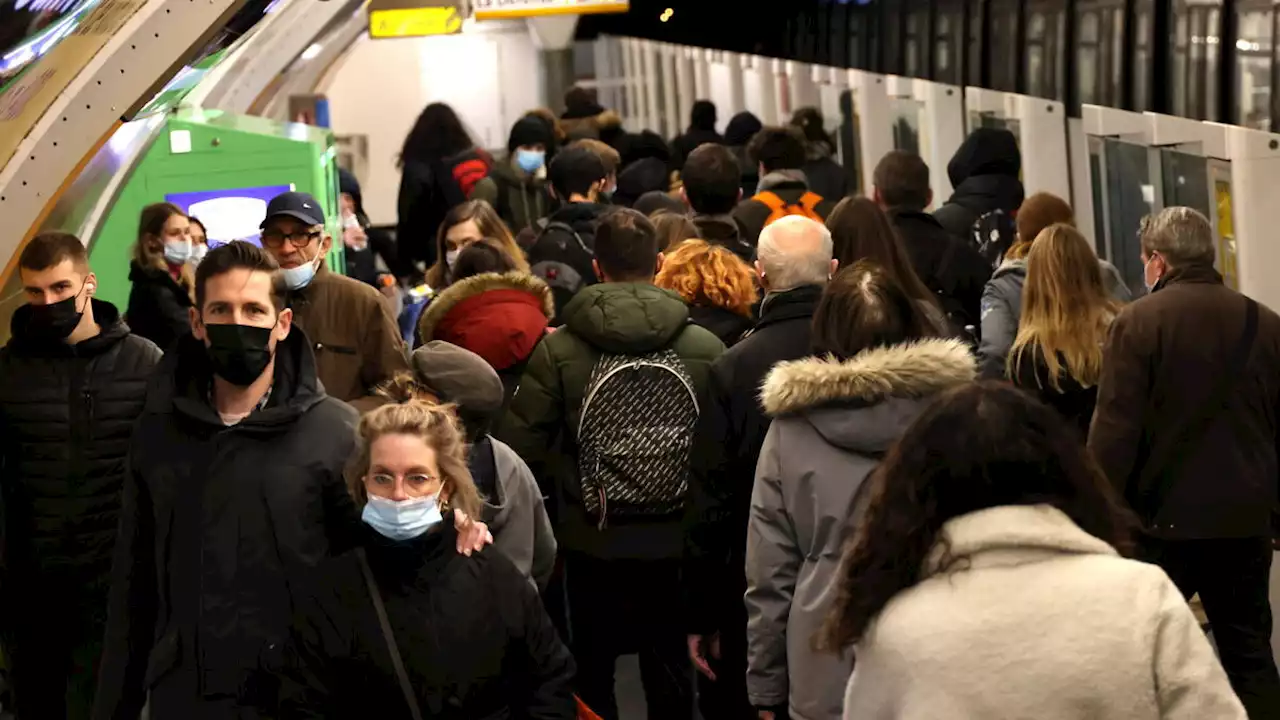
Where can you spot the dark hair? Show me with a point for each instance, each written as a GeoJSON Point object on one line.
{"type": "Point", "coordinates": [778, 148]}
{"type": "Point", "coordinates": [812, 124]}
{"type": "Point", "coordinates": [902, 178]}
{"type": "Point", "coordinates": [703, 116]}
{"type": "Point", "coordinates": [712, 180]}
{"type": "Point", "coordinates": [486, 256]}
{"type": "Point", "coordinates": [626, 245]}
{"type": "Point", "coordinates": [50, 248]}
{"type": "Point", "coordinates": [196, 221]}
{"type": "Point", "coordinates": [978, 446]}
{"type": "Point", "coordinates": [574, 171]}
{"type": "Point", "coordinates": [241, 255]}
{"type": "Point", "coordinates": [864, 307]}
{"type": "Point", "coordinates": [860, 230]}
{"type": "Point", "coordinates": [437, 134]}
{"type": "Point", "coordinates": [673, 229]}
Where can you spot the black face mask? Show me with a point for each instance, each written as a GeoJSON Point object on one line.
{"type": "Point", "coordinates": [239, 353]}
{"type": "Point", "coordinates": [55, 321]}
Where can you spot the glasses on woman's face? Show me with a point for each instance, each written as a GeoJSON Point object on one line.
{"type": "Point", "coordinates": [277, 238]}
{"type": "Point", "coordinates": [412, 481]}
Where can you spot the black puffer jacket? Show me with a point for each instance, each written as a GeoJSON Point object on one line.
{"type": "Point", "coordinates": [217, 525]}
{"type": "Point", "coordinates": [984, 173]}
{"type": "Point", "coordinates": [471, 631]}
{"type": "Point", "coordinates": [157, 306]}
{"type": "Point", "coordinates": [66, 415]}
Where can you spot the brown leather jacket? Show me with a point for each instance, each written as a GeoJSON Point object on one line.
{"type": "Point", "coordinates": [357, 343]}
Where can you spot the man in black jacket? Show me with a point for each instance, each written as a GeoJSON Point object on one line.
{"type": "Point", "coordinates": [72, 381]}
{"type": "Point", "coordinates": [948, 266]}
{"type": "Point", "coordinates": [711, 187]}
{"type": "Point", "coordinates": [235, 487]}
{"type": "Point", "coordinates": [780, 154]}
{"type": "Point", "coordinates": [795, 260]}
{"type": "Point", "coordinates": [985, 172]}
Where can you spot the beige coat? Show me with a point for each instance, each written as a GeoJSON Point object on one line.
{"type": "Point", "coordinates": [1044, 621]}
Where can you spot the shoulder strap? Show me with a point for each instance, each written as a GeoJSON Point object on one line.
{"type": "Point", "coordinates": [810, 201]}
{"type": "Point", "coordinates": [405, 687]}
{"type": "Point", "coordinates": [1185, 439]}
{"type": "Point", "coordinates": [770, 200]}
{"type": "Point", "coordinates": [566, 227]}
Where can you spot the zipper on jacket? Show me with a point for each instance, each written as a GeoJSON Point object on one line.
{"type": "Point", "coordinates": [88, 411]}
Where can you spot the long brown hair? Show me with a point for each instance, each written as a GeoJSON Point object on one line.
{"type": "Point", "coordinates": [491, 226]}
{"type": "Point", "coordinates": [148, 251]}
{"type": "Point", "coordinates": [1065, 307]}
{"type": "Point", "coordinates": [864, 307]}
{"type": "Point", "coordinates": [860, 230]}
{"type": "Point", "coordinates": [414, 411]}
{"type": "Point", "coordinates": [708, 276]}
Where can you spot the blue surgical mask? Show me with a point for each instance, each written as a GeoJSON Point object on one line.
{"type": "Point", "coordinates": [402, 520]}
{"type": "Point", "coordinates": [299, 277]}
{"type": "Point", "coordinates": [530, 160]}
{"type": "Point", "coordinates": [177, 253]}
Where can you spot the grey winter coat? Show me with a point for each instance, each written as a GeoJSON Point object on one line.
{"type": "Point", "coordinates": [515, 514]}
{"type": "Point", "coordinates": [833, 421]}
{"type": "Point", "coordinates": [1002, 309]}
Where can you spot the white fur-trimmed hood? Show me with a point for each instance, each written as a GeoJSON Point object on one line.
{"type": "Point", "coordinates": [915, 369]}
{"type": "Point", "coordinates": [449, 298]}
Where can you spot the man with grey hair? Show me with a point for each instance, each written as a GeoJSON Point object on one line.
{"type": "Point", "coordinates": [794, 263]}
{"type": "Point", "coordinates": [1186, 429]}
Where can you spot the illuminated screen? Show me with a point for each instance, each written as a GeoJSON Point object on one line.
{"type": "Point", "coordinates": [229, 214]}
{"type": "Point", "coordinates": [31, 28]}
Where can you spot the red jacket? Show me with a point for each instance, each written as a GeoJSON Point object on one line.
{"type": "Point", "coordinates": [501, 318]}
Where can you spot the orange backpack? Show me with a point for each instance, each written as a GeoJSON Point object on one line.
{"type": "Point", "coordinates": [807, 207]}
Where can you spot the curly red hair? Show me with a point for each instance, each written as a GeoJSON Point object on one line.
{"type": "Point", "coordinates": [708, 276]}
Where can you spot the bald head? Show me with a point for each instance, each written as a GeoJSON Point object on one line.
{"type": "Point", "coordinates": [794, 251]}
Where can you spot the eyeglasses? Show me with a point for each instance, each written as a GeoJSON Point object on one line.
{"type": "Point", "coordinates": [412, 479]}
{"type": "Point", "coordinates": [276, 239]}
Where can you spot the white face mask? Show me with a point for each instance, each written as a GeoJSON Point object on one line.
{"type": "Point", "coordinates": [1150, 285]}
{"type": "Point", "coordinates": [451, 257]}
{"type": "Point", "coordinates": [198, 252]}
{"type": "Point", "coordinates": [177, 253]}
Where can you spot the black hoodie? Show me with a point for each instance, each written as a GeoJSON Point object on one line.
{"type": "Point", "coordinates": [217, 523]}
{"type": "Point", "coordinates": [66, 414]}
{"type": "Point", "coordinates": [985, 175]}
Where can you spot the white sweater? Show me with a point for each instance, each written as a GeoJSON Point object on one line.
{"type": "Point", "coordinates": [1044, 622]}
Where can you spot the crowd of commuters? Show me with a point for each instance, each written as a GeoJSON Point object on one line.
{"type": "Point", "coordinates": [807, 455]}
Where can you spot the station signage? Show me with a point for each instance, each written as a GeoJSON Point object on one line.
{"type": "Point", "coordinates": [504, 9]}
{"type": "Point", "coordinates": [414, 18]}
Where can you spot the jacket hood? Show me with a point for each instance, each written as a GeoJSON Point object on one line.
{"type": "Point", "coordinates": [644, 145]}
{"type": "Point", "coordinates": [499, 317]}
{"type": "Point", "coordinates": [183, 380]}
{"type": "Point", "coordinates": [727, 232]}
{"type": "Point", "coordinates": [640, 177]}
{"type": "Point", "coordinates": [987, 151]}
{"type": "Point", "coordinates": [111, 330]}
{"type": "Point", "coordinates": [1011, 535]}
{"type": "Point", "coordinates": [742, 127]}
{"type": "Point", "coordinates": [630, 318]}
{"type": "Point", "coordinates": [915, 369]}
{"type": "Point", "coordinates": [703, 116]}
{"type": "Point", "coordinates": [866, 403]}
{"type": "Point", "coordinates": [496, 504]}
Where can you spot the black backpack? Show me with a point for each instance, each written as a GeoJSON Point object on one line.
{"type": "Point", "coordinates": [562, 258]}
{"type": "Point", "coordinates": [635, 435]}
{"type": "Point", "coordinates": [961, 325]}
{"type": "Point", "coordinates": [992, 234]}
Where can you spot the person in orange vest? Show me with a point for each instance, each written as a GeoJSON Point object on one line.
{"type": "Point", "coordinates": [783, 190]}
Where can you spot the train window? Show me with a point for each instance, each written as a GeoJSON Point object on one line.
{"type": "Point", "coordinates": [1088, 49]}
{"type": "Point", "coordinates": [1036, 85]}
{"type": "Point", "coordinates": [1181, 63]}
{"type": "Point", "coordinates": [1253, 53]}
{"type": "Point", "coordinates": [891, 39]}
{"type": "Point", "coordinates": [1003, 39]}
{"type": "Point", "coordinates": [1212, 56]}
{"type": "Point", "coordinates": [913, 46]}
{"type": "Point", "coordinates": [944, 66]}
{"type": "Point", "coordinates": [1143, 40]}
{"type": "Point", "coordinates": [1115, 56]}
{"type": "Point", "coordinates": [975, 65]}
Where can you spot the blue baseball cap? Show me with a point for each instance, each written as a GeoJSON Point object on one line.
{"type": "Point", "coordinates": [299, 206]}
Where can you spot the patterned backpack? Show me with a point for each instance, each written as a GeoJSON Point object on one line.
{"type": "Point", "coordinates": [635, 435]}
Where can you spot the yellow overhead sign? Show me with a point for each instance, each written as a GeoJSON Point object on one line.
{"type": "Point", "coordinates": [414, 22]}
{"type": "Point", "coordinates": [502, 9]}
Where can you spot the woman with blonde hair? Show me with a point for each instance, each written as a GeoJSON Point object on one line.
{"type": "Point", "coordinates": [468, 223]}
{"type": "Point", "coordinates": [404, 626]}
{"type": "Point", "coordinates": [162, 276]}
{"type": "Point", "coordinates": [1066, 312]}
{"type": "Point", "coordinates": [718, 287]}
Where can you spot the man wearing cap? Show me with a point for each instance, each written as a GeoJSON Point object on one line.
{"type": "Point", "coordinates": [356, 341]}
